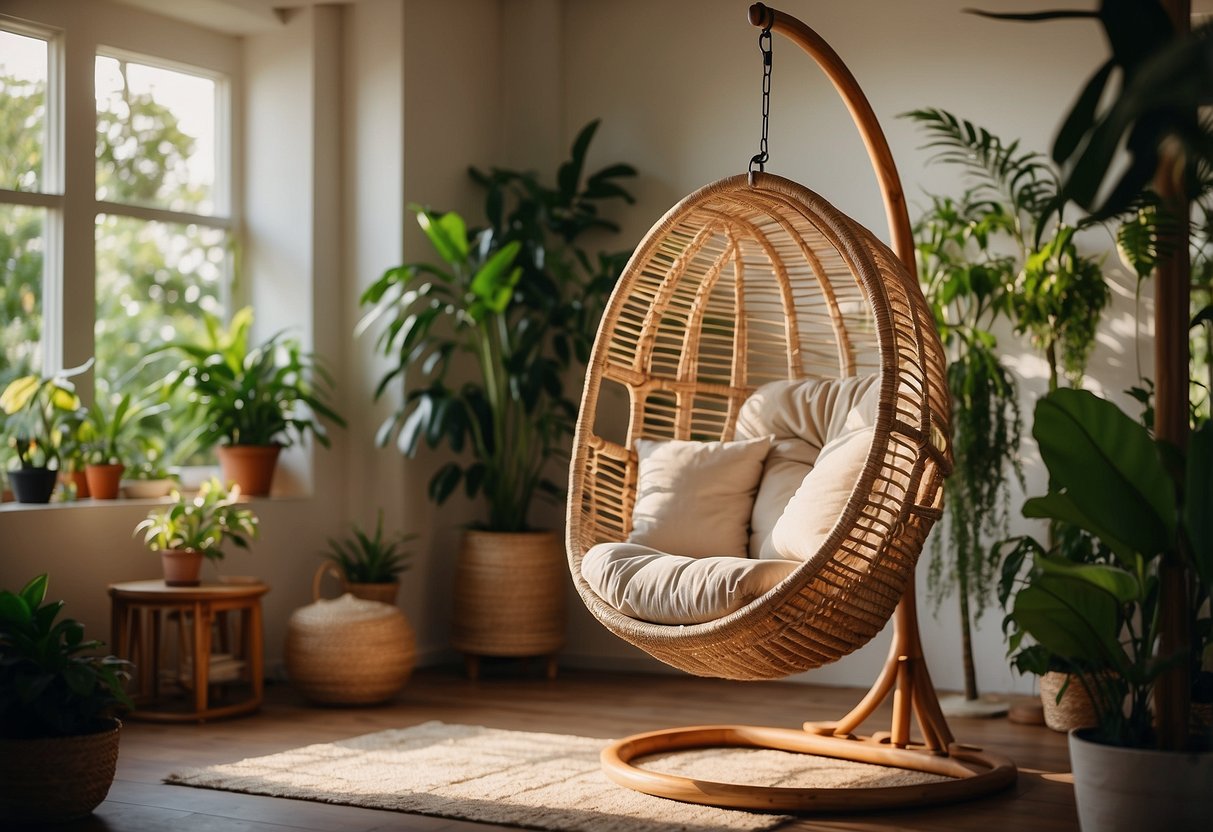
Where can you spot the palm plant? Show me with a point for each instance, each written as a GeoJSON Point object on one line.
{"type": "Point", "coordinates": [267, 394]}
{"type": "Point", "coordinates": [994, 253]}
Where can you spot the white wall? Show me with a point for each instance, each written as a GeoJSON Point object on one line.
{"type": "Point", "coordinates": [677, 86]}
{"type": "Point", "coordinates": [355, 112]}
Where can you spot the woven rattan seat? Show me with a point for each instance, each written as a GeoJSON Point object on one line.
{"type": "Point", "coordinates": [750, 280]}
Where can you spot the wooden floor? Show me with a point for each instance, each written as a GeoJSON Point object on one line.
{"type": "Point", "coordinates": [586, 703]}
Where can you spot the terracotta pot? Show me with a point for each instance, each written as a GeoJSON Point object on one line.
{"type": "Point", "coordinates": [57, 779]}
{"type": "Point", "coordinates": [77, 479]}
{"type": "Point", "coordinates": [104, 481]}
{"type": "Point", "coordinates": [182, 567]}
{"type": "Point", "coordinates": [1122, 789]}
{"type": "Point", "coordinates": [33, 485]}
{"type": "Point", "coordinates": [509, 594]}
{"type": "Point", "coordinates": [249, 466]}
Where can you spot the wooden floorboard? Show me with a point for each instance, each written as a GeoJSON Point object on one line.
{"type": "Point", "coordinates": [586, 703]}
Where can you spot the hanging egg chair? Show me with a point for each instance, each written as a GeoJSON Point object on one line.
{"type": "Point", "coordinates": [754, 284]}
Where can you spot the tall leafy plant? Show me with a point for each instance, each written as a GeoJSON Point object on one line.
{"type": "Point", "coordinates": [520, 296]}
{"type": "Point", "coordinates": [965, 279]}
{"type": "Point", "coordinates": [996, 252]}
{"type": "Point", "coordinates": [1163, 80]}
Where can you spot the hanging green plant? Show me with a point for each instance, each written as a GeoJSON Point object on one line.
{"type": "Point", "coordinates": [965, 281]}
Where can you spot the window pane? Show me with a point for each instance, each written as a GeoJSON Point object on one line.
{"type": "Point", "coordinates": [154, 280]}
{"type": "Point", "coordinates": [155, 137]}
{"type": "Point", "coordinates": [22, 111]}
{"type": "Point", "coordinates": [21, 246]}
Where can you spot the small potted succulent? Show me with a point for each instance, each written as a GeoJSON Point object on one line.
{"type": "Point", "coordinates": [188, 529]}
{"type": "Point", "coordinates": [370, 564]}
{"type": "Point", "coordinates": [58, 700]}
{"type": "Point", "coordinates": [39, 410]}
{"type": "Point", "coordinates": [253, 400]}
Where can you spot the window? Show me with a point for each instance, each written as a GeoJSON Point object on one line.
{"type": "Point", "coordinates": [155, 208]}
{"type": "Point", "coordinates": [161, 223]}
{"type": "Point", "coordinates": [25, 206]}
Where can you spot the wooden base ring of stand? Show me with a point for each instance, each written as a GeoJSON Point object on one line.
{"type": "Point", "coordinates": [973, 772]}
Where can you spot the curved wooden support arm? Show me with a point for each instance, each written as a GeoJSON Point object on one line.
{"type": "Point", "coordinates": [900, 234]}
{"type": "Point", "coordinates": [905, 673]}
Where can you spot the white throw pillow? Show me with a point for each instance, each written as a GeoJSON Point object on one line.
{"type": "Point", "coordinates": [803, 416]}
{"type": "Point", "coordinates": [695, 498]}
{"type": "Point", "coordinates": [649, 585]}
{"type": "Point", "coordinates": [816, 507]}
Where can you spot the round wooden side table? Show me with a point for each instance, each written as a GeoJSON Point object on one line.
{"type": "Point", "coordinates": [139, 612]}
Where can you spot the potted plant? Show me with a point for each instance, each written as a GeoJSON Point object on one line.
{"type": "Point", "coordinates": [369, 564]}
{"type": "Point", "coordinates": [38, 410]}
{"type": "Point", "coordinates": [107, 432]}
{"type": "Point", "coordinates": [147, 480]}
{"type": "Point", "coordinates": [58, 700]}
{"type": "Point", "coordinates": [1065, 703]}
{"type": "Point", "coordinates": [522, 298]}
{"type": "Point", "coordinates": [188, 529]}
{"type": "Point", "coordinates": [254, 400]}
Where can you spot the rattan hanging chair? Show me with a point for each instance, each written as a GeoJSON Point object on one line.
{"type": "Point", "coordinates": [750, 280]}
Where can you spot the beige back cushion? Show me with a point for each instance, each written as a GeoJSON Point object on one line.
{"type": "Point", "coordinates": [817, 505]}
{"type": "Point", "coordinates": [649, 585]}
{"type": "Point", "coordinates": [803, 416]}
{"type": "Point", "coordinates": [695, 498]}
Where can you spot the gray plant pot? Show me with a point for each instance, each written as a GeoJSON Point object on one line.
{"type": "Point", "coordinates": [1130, 789]}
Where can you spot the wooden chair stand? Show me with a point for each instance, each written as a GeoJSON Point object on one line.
{"type": "Point", "coordinates": [824, 610]}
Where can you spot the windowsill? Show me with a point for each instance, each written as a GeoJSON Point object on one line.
{"type": "Point", "coordinates": [12, 507]}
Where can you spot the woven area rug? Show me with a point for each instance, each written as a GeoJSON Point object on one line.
{"type": "Point", "coordinates": [534, 781]}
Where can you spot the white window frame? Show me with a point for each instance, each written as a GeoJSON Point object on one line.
{"type": "Point", "coordinates": [68, 182]}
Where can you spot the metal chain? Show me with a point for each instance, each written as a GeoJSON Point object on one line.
{"type": "Point", "coordinates": [760, 158]}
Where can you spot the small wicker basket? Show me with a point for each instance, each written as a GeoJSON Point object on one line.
{"type": "Point", "coordinates": [1075, 710]}
{"type": "Point", "coordinates": [382, 592]}
{"type": "Point", "coordinates": [349, 651]}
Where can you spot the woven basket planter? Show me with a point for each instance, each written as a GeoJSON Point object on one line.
{"type": "Point", "coordinates": [56, 779]}
{"type": "Point", "coordinates": [1075, 710]}
{"type": "Point", "coordinates": [384, 593]}
{"type": "Point", "coordinates": [349, 651]}
{"type": "Point", "coordinates": [510, 594]}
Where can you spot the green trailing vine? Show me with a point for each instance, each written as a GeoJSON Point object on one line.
{"type": "Point", "coordinates": [965, 282]}
{"type": "Point", "coordinates": [995, 253]}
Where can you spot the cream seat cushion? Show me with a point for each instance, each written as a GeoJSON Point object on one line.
{"type": "Point", "coordinates": [650, 585]}
{"type": "Point", "coordinates": [695, 498]}
{"type": "Point", "coordinates": [803, 416]}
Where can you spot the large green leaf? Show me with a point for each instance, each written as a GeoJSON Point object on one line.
{"type": "Point", "coordinates": [1073, 619]}
{"type": "Point", "coordinates": [1060, 507]}
{"type": "Point", "coordinates": [1119, 583]}
{"type": "Point", "coordinates": [1109, 466]}
{"type": "Point", "coordinates": [1198, 501]}
{"type": "Point", "coordinates": [447, 234]}
{"type": "Point", "coordinates": [495, 281]}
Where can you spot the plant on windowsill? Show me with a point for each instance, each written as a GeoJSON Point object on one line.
{"type": "Point", "coordinates": [39, 410]}
{"type": "Point", "coordinates": [58, 702]}
{"type": "Point", "coordinates": [188, 529]}
{"type": "Point", "coordinates": [522, 298]}
{"type": "Point", "coordinates": [369, 564]}
{"type": "Point", "coordinates": [254, 400]}
{"type": "Point", "coordinates": [108, 433]}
